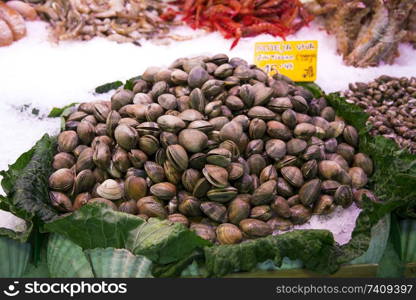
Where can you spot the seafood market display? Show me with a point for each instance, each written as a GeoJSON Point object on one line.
{"type": "Point", "coordinates": [391, 104]}
{"type": "Point", "coordinates": [237, 19]}
{"type": "Point", "coordinates": [118, 20]}
{"type": "Point", "coordinates": [215, 144]}
{"type": "Point", "coordinates": [12, 20]}
{"type": "Point", "coordinates": [368, 32]}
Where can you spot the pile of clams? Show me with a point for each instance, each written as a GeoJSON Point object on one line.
{"type": "Point", "coordinates": [215, 144]}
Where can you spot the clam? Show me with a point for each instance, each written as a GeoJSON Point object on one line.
{"type": "Point", "coordinates": [238, 210]}
{"type": "Point", "coordinates": [63, 160]}
{"type": "Point", "coordinates": [112, 121]}
{"type": "Point", "coordinates": [324, 205]}
{"type": "Point", "coordinates": [148, 144]}
{"type": "Point", "coordinates": [216, 175]}
{"type": "Point", "coordinates": [189, 179]}
{"type": "Point", "coordinates": [128, 207]}
{"type": "Point", "coordinates": [163, 190]}
{"type": "Point", "coordinates": [364, 162]}
{"type": "Point", "coordinates": [336, 128]}
{"type": "Point", "coordinates": [275, 148]}
{"type": "Point", "coordinates": [179, 218]}
{"type": "Point", "coordinates": [135, 187]}
{"type": "Point", "coordinates": [264, 193]}
{"type": "Point", "coordinates": [80, 200]}
{"type": "Point", "coordinates": [309, 192]}
{"type": "Point", "coordinates": [201, 188]}
{"type": "Point", "coordinates": [300, 214]}
{"type": "Point", "coordinates": [121, 98]}
{"type": "Point", "coordinates": [362, 195]}
{"type": "Point", "coordinates": [329, 169]}
{"type": "Point", "coordinates": [256, 163]}
{"type": "Point", "coordinates": [255, 228]}
{"type": "Point", "coordinates": [101, 156]}
{"type": "Point", "coordinates": [310, 169]}
{"type": "Point", "coordinates": [278, 130]}
{"type": "Point", "coordinates": [126, 136]}
{"type": "Point", "coordinates": [293, 175]}
{"type": "Point", "coordinates": [110, 189]}
{"type": "Point", "coordinates": [193, 140]}
{"type": "Point", "coordinates": [84, 181]}
{"type": "Point", "coordinates": [170, 123]}
{"type": "Point", "coordinates": [289, 118]}
{"type": "Point", "coordinates": [280, 104]}
{"type": "Point", "coordinates": [296, 146]}
{"type": "Point", "coordinates": [343, 196]}
{"type": "Point", "coordinates": [60, 201]}
{"type": "Point", "coordinates": [358, 177]}
{"type": "Point", "coordinates": [190, 207]}
{"type": "Point", "coordinates": [152, 207]}
{"type": "Point", "coordinates": [155, 171]}
{"type": "Point", "coordinates": [62, 180]}
{"type": "Point", "coordinates": [277, 223]}
{"type": "Point", "coordinates": [121, 159]}
{"type": "Point", "coordinates": [204, 231]}
{"type": "Point", "coordinates": [177, 156]}
{"type": "Point", "coordinates": [261, 212]}
{"type": "Point", "coordinates": [219, 157]}
{"type": "Point", "coordinates": [350, 135]}
{"type": "Point", "coordinates": [299, 104]}
{"type": "Point", "coordinates": [167, 101]}
{"type": "Point", "coordinates": [197, 77]}
{"type": "Point", "coordinates": [104, 201]}
{"type": "Point", "coordinates": [330, 186]}
{"type": "Point", "coordinates": [304, 131]}
{"type": "Point", "coordinates": [235, 171]}
{"type": "Point", "coordinates": [231, 131]}
{"type": "Point", "coordinates": [215, 211]}
{"type": "Point", "coordinates": [281, 207]}
{"type": "Point", "coordinates": [67, 141]}
{"type": "Point", "coordinates": [268, 173]}
{"type": "Point", "coordinates": [257, 128]}
{"type": "Point", "coordinates": [284, 188]}
{"type": "Point", "coordinates": [137, 158]}
{"type": "Point", "coordinates": [346, 151]}
{"type": "Point", "coordinates": [228, 234]}
{"type": "Point", "coordinates": [86, 132]}
{"type": "Point", "coordinates": [261, 112]}
{"type": "Point", "coordinates": [222, 195]}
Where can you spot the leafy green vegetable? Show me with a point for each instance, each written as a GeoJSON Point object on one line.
{"type": "Point", "coordinates": [175, 269]}
{"type": "Point", "coordinates": [164, 242]}
{"type": "Point", "coordinates": [62, 111]}
{"type": "Point", "coordinates": [316, 248]}
{"type": "Point", "coordinates": [66, 259]}
{"type": "Point", "coordinates": [391, 264]}
{"type": "Point", "coordinates": [26, 186]}
{"type": "Point", "coordinates": [130, 83]}
{"type": "Point", "coordinates": [408, 240]}
{"type": "Point", "coordinates": [97, 226]}
{"type": "Point", "coordinates": [118, 263]}
{"type": "Point", "coordinates": [108, 87]}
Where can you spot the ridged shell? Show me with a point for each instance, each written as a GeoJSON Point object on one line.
{"type": "Point", "coordinates": [15, 257]}
{"type": "Point", "coordinates": [65, 259]}
{"type": "Point", "coordinates": [118, 263]}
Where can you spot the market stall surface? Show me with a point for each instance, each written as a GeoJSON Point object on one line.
{"type": "Point", "coordinates": [37, 75]}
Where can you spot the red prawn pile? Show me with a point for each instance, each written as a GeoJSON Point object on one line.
{"type": "Point", "coordinates": [236, 19]}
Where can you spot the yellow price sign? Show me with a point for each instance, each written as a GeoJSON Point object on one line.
{"type": "Point", "coordinates": [294, 59]}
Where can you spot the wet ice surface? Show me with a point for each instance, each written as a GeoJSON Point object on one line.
{"type": "Point", "coordinates": [340, 222]}
{"type": "Point", "coordinates": [43, 75]}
